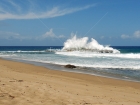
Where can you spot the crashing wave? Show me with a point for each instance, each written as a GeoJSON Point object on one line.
{"type": "Point", "coordinates": [82, 44]}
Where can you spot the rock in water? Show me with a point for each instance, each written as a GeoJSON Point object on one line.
{"type": "Point", "coordinates": [70, 66]}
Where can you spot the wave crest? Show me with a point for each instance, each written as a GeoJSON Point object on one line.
{"type": "Point", "coordinates": [82, 44]}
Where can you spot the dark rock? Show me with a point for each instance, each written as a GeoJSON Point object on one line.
{"type": "Point", "coordinates": [20, 80]}
{"type": "Point", "coordinates": [11, 96]}
{"type": "Point", "coordinates": [70, 66]}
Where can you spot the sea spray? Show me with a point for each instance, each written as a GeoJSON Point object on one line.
{"type": "Point", "coordinates": [82, 44]}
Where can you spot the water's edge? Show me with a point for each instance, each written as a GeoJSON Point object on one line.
{"type": "Point", "coordinates": [77, 70]}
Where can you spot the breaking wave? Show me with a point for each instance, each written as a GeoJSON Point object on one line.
{"type": "Point", "coordinates": [82, 44]}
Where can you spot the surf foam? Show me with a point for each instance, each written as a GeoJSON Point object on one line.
{"type": "Point", "coordinates": [82, 44]}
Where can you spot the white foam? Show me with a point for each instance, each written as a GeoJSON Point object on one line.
{"type": "Point", "coordinates": [82, 44]}
{"type": "Point", "coordinates": [19, 51]}
{"type": "Point", "coordinates": [91, 54]}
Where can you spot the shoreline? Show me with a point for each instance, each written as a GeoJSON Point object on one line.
{"type": "Point", "coordinates": [19, 82]}
{"type": "Point", "coordinates": [86, 71]}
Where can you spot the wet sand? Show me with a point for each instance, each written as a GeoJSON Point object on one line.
{"type": "Point", "coordinates": [26, 84]}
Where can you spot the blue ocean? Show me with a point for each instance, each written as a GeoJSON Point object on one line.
{"type": "Point", "coordinates": [121, 62]}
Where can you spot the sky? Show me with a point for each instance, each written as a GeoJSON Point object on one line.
{"type": "Point", "coordinates": [52, 22]}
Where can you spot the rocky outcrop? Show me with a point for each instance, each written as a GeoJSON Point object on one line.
{"type": "Point", "coordinates": [70, 66]}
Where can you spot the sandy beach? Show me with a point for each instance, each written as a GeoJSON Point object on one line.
{"type": "Point", "coordinates": [26, 84]}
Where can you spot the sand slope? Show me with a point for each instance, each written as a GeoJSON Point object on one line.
{"type": "Point", "coordinates": [25, 84]}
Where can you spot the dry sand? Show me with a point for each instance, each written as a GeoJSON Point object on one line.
{"type": "Point", "coordinates": [26, 84]}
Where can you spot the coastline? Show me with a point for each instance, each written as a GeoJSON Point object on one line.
{"type": "Point", "coordinates": [22, 83]}
{"type": "Point", "coordinates": [81, 70]}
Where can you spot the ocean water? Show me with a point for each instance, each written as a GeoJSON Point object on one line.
{"type": "Point", "coordinates": [116, 61]}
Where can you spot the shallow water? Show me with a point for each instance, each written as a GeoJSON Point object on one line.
{"type": "Point", "coordinates": [124, 65]}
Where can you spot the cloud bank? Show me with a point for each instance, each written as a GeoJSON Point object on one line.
{"type": "Point", "coordinates": [13, 36]}
{"type": "Point", "coordinates": [136, 35]}
{"type": "Point", "coordinates": [17, 36]}
{"type": "Point", "coordinates": [31, 13]}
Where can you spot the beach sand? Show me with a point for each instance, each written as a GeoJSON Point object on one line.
{"type": "Point", "coordinates": [26, 84]}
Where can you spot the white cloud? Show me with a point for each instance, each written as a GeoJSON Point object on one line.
{"type": "Point", "coordinates": [17, 36]}
{"type": "Point", "coordinates": [12, 35]}
{"type": "Point", "coordinates": [49, 34]}
{"type": "Point", "coordinates": [136, 34]}
{"type": "Point", "coordinates": [35, 14]}
{"type": "Point", "coordinates": [124, 36]}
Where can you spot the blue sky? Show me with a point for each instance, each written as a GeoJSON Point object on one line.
{"type": "Point", "coordinates": [52, 22]}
